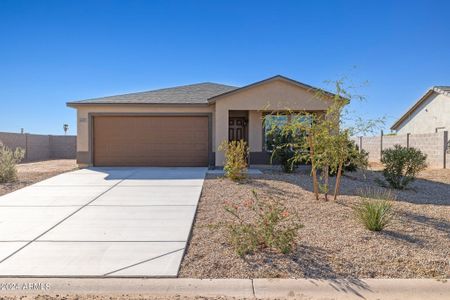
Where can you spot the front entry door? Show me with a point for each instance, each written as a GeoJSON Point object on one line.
{"type": "Point", "coordinates": [237, 129]}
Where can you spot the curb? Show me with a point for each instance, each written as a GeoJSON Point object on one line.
{"type": "Point", "coordinates": [410, 289]}
{"type": "Point", "coordinates": [129, 286]}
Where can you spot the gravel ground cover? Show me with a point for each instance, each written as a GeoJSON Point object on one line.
{"type": "Point", "coordinates": [112, 297]}
{"type": "Point", "coordinates": [30, 173]}
{"type": "Point", "coordinates": [332, 244]}
{"type": "Point", "coordinates": [438, 175]}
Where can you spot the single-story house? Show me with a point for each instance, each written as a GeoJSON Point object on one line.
{"type": "Point", "coordinates": [184, 125]}
{"type": "Point", "coordinates": [431, 113]}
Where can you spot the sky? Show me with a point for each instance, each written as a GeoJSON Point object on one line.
{"type": "Point", "coordinates": [52, 52]}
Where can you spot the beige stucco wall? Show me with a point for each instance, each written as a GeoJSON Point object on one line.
{"type": "Point", "coordinates": [268, 96]}
{"type": "Point", "coordinates": [255, 130]}
{"type": "Point", "coordinates": [83, 120]}
{"type": "Point", "coordinates": [433, 113]}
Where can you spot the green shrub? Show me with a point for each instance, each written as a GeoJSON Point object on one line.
{"type": "Point", "coordinates": [244, 238]}
{"type": "Point", "coordinates": [282, 149]}
{"type": "Point", "coordinates": [374, 214]}
{"type": "Point", "coordinates": [261, 224]}
{"type": "Point", "coordinates": [236, 153]}
{"type": "Point", "coordinates": [401, 165]}
{"type": "Point", "coordinates": [375, 211]}
{"type": "Point", "coordinates": [356, 159]}
{"type": "Point", "coordinates": [8, 161]}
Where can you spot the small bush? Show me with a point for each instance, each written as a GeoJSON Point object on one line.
{"type": "Point", "coordinates": [244, 238]}
{"type": "Point", "coordinates": [270, 226]}
{"type": "Point", "coordinates": [282, 149]}
{"type": "Point", "coordinates": [401, 165]}
{"type": "Point", "coordinates": [8, 161]}
{"type": "Point", "coordinates": [375, 211]}
{"type": "Point", "coordinates": [235, 165]}
{"type": "Point", "coordinates": [356, 160]}
{"type": "Point", "coordinates": [374, 214]}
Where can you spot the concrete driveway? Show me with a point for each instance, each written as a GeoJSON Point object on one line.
{"type": "Point", "coordinates": [100, 222]}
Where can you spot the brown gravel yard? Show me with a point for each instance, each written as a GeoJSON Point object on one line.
{"type": "Point", "coordinates": [331, 244]}
{"type": "Point", "coordinates": [113, 297]}
{"type": "Point", "coordinates": [30, 173]}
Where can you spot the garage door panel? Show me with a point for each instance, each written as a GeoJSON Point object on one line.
{"type": "Point", "coordinates": [151, 141]}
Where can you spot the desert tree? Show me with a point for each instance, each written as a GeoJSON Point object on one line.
{"type": "Point", "coordinates": [326, 139]}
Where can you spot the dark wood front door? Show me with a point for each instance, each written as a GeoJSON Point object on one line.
{"type": "Point", "coordinates": [237, 129]}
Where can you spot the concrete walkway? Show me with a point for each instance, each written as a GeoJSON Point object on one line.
{"type": "Point", "coordinates": [222, 172]}
{"type": "Point", "coordinates": [410, 289]}
{"type": "Point", "coordinates": [100, 222]}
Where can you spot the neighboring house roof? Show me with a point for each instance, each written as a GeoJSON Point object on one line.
{"type": "Point", "coordinates": [200, 93]}
{"type": "Point", "coordinates": [187, 94]}
{"type": "Point", "coordinates": [445, 90]}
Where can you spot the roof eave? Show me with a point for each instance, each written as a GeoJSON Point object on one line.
{"type": "Point", "coordinates": [413, 108]}
{"type": "Point", "coordinates": [78, 104]}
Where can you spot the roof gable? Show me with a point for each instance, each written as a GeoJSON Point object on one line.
{"type": "Point", "coordinates": [265, 81]}
{"type": "Point", "coordinates": [444, 90]}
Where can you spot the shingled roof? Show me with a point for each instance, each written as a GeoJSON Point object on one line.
{"type": "Point", "coordinates": [187, 94]}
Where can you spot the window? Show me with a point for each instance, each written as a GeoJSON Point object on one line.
{"type": "Point", "coordinates": [306, 119]}
{"type": "Point", "coordinates": [273, 121]}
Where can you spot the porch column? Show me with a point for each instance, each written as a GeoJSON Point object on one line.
{"type": "Point", "coordinates": [255, 131]}
{"type": "Point", "coordinates": [221, 132]}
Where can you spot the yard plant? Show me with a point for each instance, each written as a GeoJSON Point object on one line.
{"type": "Point", "coordinates": [8, 161]}
{"type": "Point", "coordinates": [375, 211]}
{"type": "Point", "coordinates": [284, 146]}
{"type": "Point", "coordinates": [235, 165]}
{"type": "Point", "coordinates": [260, 224]}
{"type": "Point", "coordinates": [325, 142]}
{"type": "Point", "coordinates": [358, 159]}
{"type": "Point", "coordinates": [401, 165]}
{"type": "Point", "coordinates": [374, 214]}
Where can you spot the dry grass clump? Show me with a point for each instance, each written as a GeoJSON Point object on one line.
{"type": "Point", "coordinates": [375, 211]}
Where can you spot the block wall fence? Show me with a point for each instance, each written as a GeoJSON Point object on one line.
{"type": "Point", "coordinates": [41, 147]}
{"type": "Point", "coordinates": [435, 145]}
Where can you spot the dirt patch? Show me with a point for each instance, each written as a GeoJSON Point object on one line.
{"type": "Point", "coordinates": [30, 173]}
{"type": "Point", "coordinates": [437, 175]}
{"type": "Point", "coordinates": [332, 244]}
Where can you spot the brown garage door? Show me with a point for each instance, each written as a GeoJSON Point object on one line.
{"type": "Point", "coordinates": [150, 141]}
